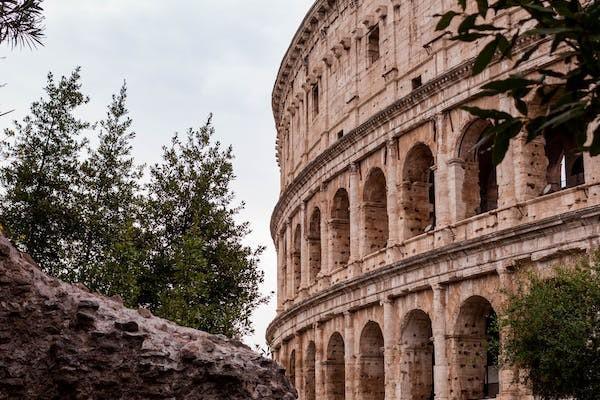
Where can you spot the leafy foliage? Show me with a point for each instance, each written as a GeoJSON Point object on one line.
{"type": "Point", "coordinates": [553, 331]}
{"type": "Point", "coordinates": [21, 22]}
{"type": "Point", "coordinates": [567, 95]}
{"type": "Point", "coordinates": [172, 244]}
{"type": "Point", "coordinates": [206, 277]}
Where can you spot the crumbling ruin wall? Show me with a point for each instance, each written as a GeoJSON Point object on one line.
{"type": "Point", "coordinates": [58, 341]}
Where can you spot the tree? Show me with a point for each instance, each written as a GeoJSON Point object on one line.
{"type": "Point", "coordinates": [553, 331]}
{"type": "Point", "coordinates": [199, 272]}
{"type": "Point", "coordinates": [39, 207]}
{"type": "Point", "coordinates": [21, 22]}
{"type": "Point", "coordinates": [111, 253]}
{"type": "Point", "coordinates": [569, 96]}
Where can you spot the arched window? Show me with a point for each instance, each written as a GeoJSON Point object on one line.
{"type": "Point", "coordinates": [292, 368]}
{"type": "Point", "coordinates": [480, 185]}
{"type": "Point", "coordinates": [565, 163]}
{"type": "Point", "coordinates": [310, 392]}
{"type": "Point", "coordinates": [335, 372]}
{"type": "Point", "coordinates": [376, 222]}
{"type": "Point", "coordinates": [340, 229]}
{"type": "Point", "coordinates": [418, 195]}
{"type": "Point", "coordinates": [314, 244]}
{"type": "Point", "coordinates": [297, 259]}
{"type": "Point", "coordinates": [417, 357]}
{"type": "Point", "coordinates": [478, 339]}
{"type": "Point", "coordinates": [372, 368]}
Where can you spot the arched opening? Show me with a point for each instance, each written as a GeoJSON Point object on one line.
{"type": "Point", "coordinates": [292, 368]}
{"type": "Point", "coordinates": [565, 163]}
{"type": "Point", "coordinates": [310, 373]}
{"type": "Point", "coordinates": [297, 259]}
{"type": "Point", "coordinates": [335, 371]}
{"type": "Point", "coordinates": [480, 183]}
{"type": "Point", "coordinates": [418, 200]}
{"type": "Point", "coordinates": [372, 368]}
{"type": "Point", "coordinates": [477, 347]}
{"type": "Point", "coordinates": [376, 222]}
{"type": "Point", "coordinates": [314, 244]}
{"type": "Point", "coordinates": [417, 357]}
{"type": "Point", "coordinates": [340, 229]}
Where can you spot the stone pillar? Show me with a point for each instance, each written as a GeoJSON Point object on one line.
{"type": "Point", "coordinates": [299, 363]}
{"type": "Point", "coordinates": [320, 358]}
{"type": "Point", "coordinates": [509, 386]}
{"type": "Point", "coordinates": [389, 323]}
{"type": "Point", "coordinates": [530, 165]}
{"type": "Point", "coordinates": [505, 172]}
{"type": "Point", "coordinates": [290, 262]}
{"type": "Point", "coordinates": [441, 370]}
{"type": "Point", "coordinates": [304, 252]}
{"type": "Point", "coordinates": [456, 178]}
{"type": "Point", "coordinates": [442, 181]}
{"type": "Point", "coordinates": [281, 261]}
{"type": "Point", "coordinates": [356, 232]}
{"type": "Point", "coordinates": [392, 192]}
{"type": "Point", "coordinates": [350, 356]}
{"type": "Point", "coordinates": [326, 262]}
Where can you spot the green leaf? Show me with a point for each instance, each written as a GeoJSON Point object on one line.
{"type": "Point", "coordinates": [505, 132]}
{"type": "Point", "coordinates": [485, 57]}
{"type": "Point", "coordinates": [445, 20]}
{"type": "Point", "coordinates": [487, 114]}
{"type": "Point", "coordinates": [482, 6]}
{"type": "Point", "coordinates": [505, 85]}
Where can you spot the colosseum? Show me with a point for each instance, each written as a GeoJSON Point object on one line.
{"type": "Point", "coordinates": [395, 234]}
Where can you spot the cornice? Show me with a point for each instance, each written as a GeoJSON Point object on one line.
{"type": "Point", "coordinates": [513, 234]}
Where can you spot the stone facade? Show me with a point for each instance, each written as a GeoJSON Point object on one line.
{"type": "Point", "coordinates": [394, 236]}
{"type": "Point", "coordinates": [59, 341]}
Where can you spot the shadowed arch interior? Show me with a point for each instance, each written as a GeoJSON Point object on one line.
{"type": "Point", "coordinates": [335, 371]}
{"type": "Point", "coordinates": [376, 223]}
{"type": "Point", "coordinates": [417, 357]}
{"type": "Point", "coordinates": [565, 162]}
{"type": "Point", "coordinates": [418, 191]}
{"type": "Point", "coordinates": [371, 360]}
{"type": "Point", "coordinates": [340, 230]}
{"type": "Point", "coordinates": [292, 368]}
{"type": "Point", "coordinates": [480, 184]}
{"type": "Point", "coordinates": [476, 341]}
{"type": "Point", "coordinates": [314, 244]}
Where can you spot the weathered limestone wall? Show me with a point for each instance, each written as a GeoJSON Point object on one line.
{"type": "Point", "coordinates": [61, 342]}
{"type": "Point", "coordinates": [419, 231]}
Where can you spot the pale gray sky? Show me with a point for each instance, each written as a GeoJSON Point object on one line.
{"type": "Point", "coordinates": [182, 59]}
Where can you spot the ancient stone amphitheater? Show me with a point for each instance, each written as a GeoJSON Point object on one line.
{"type": "Point", "coordinates": [394, 236]}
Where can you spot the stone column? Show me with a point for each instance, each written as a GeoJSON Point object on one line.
{"type": "Point", "coordinates": [280, 278]}
{"type": "Point", "coordinates": [304, 252]}
{"type": "Point", "coordinates": [441, 370]}
{"type": "Point", "coordinates": [456, 178]}
{"type": "Point", "coordinates": [392, 191]}
{"type": "Point", "coordinates": [509, 387]}
{"type": "Point", "coordinates": [299, 364]}
{"type": "Point", "coordinates": [389, 322]}
{"type": "Point", "coordinates": [505, 172]}
{"type": "Point", "coordinates": [325, 258]}
{"type": "Point", "coordinates": [442, 181]}
{"type": "Point", "coordinates": [320, 358]}
{"type": "Point", "coordinates": [290, 262]}
{"type": "Point", "coordinates": [350, 357]}
{"type": "Point", "coordinates": [356, 232]}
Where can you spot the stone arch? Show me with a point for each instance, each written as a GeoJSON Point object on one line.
{"type": "Point", "coordinates": [310, 389]}
{"type": "Point", "coordinates": [292, 368]}
{"type": "Point", "coordinates": [417, 356]}
{"type": "Point", "coordinates": [565, 162]}
{"type": "Point", "coordinates": [376, 223]}
{"type": "Point", "coordinates": [297, 259]}
{"type": "Point", "coordinates": [335, 369]}
{"type": "Point", "coordinates": [479, 170]}
{"type": "Point", "coordinates": [418, 191]}
{"type": "Point", "coordinates": [340, 229]}
{"type": "Point", "coordinates": [476, 340]}
{"type": "Point", "coordinates": [371, 363]}
{"type": "Point", "coordinates": [314, 244]}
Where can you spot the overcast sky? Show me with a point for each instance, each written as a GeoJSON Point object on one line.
{"type": "Point", "coordinates": [182, 59]}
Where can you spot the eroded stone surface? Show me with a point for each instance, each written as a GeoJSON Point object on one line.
{"type": "Point", "coordinates": [59, 341]}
